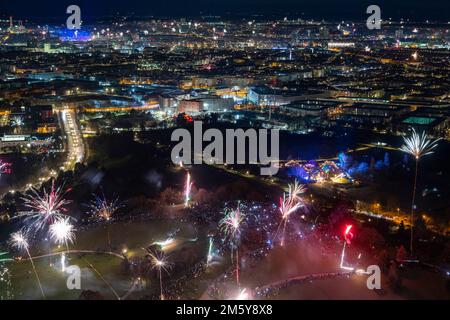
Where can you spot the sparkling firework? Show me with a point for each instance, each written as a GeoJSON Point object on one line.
{"type": "Point", "coordinates": [231, 226]}
{"type": "Point", "coordinates": [103, 210]}
{"type": "Point", "coordinates": [19, 240]}
{"type": "Point", "coordinates": [62, 231]}
{"type": "Point", "coordinates": [45, 208]}
{"type": "Point", "coordinates": [417, 145]}
{"type": "Point", "coordinates": [187, 190]}
{"type": "Point", "coordinates": [295, 190]}
{"type": "Point", "coordinates": [159, 262]}
{"type": "Point", "coordinates": [17, 121]}
{"type": "Point", "coordinates": [243, 295]}
{"type": "Point", "coordinates": [289, 203]}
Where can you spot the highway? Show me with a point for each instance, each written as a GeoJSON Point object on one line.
{"type": "Point", "coordinates": [74, 144]}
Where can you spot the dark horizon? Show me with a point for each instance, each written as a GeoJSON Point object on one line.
{"type": "Point", "coordinates": [47, 10]}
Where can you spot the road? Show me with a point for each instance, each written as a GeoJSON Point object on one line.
{"type": "Point", "coordinates": [75, 147]}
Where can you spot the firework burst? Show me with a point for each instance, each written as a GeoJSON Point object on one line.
{"type": "Point", "coordinates": [289, 203]}
{"type": "Point", "coordinates": [102, 209]}
{"type": "Point", "coordinates": [62, 231]}
{"type": "Point", "coordinates": [231, 226]}
{"type": "Point", "coordinates": [17, 121]}
{"type": "Point", "coordinates": [231, 223]}
{"type": "Point", "coordinates": [44, 208]}
{"type": "Point", "coordinates": [160, 262]}
{"type": "Point", "coordinates": [417, 145]}
{"type": "Point", "coordinates": [19, 240]}
{"type": "Point", "coordinates": [295, 190]}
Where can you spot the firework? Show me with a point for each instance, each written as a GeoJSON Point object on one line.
{"type": "Point", "coordinates": [348, 236]}
{"type": "Point", "coordinates": [231, 223]}
{"type": "Point", "coordinates": [243, 295]}
{"type": "Point", "coordinates": [167, 244]}
{"type": "Point", "coordinates": [159, 262]}
{"type": "Point", "coordinates": [295, 190]}
{"type": "Point", "coordinates": [210, 254]}
{"type": "Point", "coordinates": [289, 203]}
{"type": "Point", "coordinates": [62, 232]}
{"type": "Point", "coordinates": [417, 145]}
{"type": "Point", "coordinates": [5, 167]}
{"type": "Point", "coordinates": [187, 190]}
{"type": "Point", "coordinates": [103, 210]}
{"type": "Point", "coordinates": [17, 121]}
{"type": "Point", "coordinates": [45, 208]}
{"type": "Point", "coordinates": [19, 240]}
{"type": "Point", "coordinates": [231, 226]}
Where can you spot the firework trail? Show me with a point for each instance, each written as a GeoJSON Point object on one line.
{"type": "Point", "coordinates": [45, 208]}
{"type": "Point", "coordinates": [231, 226]}
{"type": "Point", "coordinates": [19, 241]}
{"type": "Point", "coordinates": [417, 145]}
{"type": "Point", "coordinates": [348, 236]}
{"type": "Point", "coordinates": [210, 254]}
{"type": "Point", "coordinates": [187, 190]}
{"type": "Point", "coordinates": [101, 277]}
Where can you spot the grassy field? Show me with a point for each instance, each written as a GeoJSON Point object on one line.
{"type": "Point", "coordinates": [134, 236]}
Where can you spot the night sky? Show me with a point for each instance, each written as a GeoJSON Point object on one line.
{"type": "Point", "coordinates": [328, 9]}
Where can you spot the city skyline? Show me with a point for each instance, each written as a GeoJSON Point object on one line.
{"type": "Point", "coordinates": [224, 151]}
